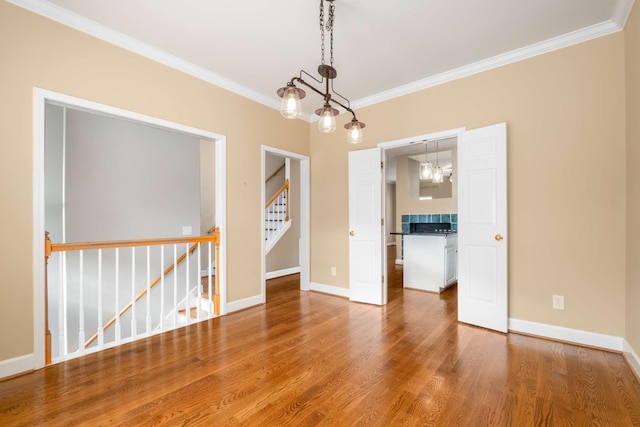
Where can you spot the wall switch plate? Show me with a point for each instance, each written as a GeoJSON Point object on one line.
{"type": "Point", "coordinates": [187, 230]}
{"type": "Point", "coordinates": [333, 271]}
{"type": "Point", "coordinates": [558, 302]}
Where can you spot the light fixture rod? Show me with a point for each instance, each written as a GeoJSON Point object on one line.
{"type": "Point", "coordinates": [324, 95]}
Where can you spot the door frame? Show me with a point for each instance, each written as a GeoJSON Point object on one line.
{"type": "Point", "coordinates": [305, 200]}
{"type": "Point", "coordinates": [40, 98]}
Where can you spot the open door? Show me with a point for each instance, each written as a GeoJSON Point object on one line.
{"type": "Point", "coordinates": [366, 277]}
{"type": "Point", "coordinates": [482, 227]}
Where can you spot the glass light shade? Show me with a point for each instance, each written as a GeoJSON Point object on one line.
{"type": "Point", "coordinates": [290, 107]}
{"type": "Point", "coordinates": [327, 122]}
{"type": "Point", "coordinates": [354, 135]}
{"type": "Point", "coordinates": [437, 175]}
{"type": "Point", "coordinates": [426, 169]}
{"type": "Point", "coordinates": [451, 177]}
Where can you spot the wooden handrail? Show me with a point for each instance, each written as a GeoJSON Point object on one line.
{"type": "Point", "coordinates": [273, 175]}
{"type": "Point", "coordinates": [280, 191]}
{"type": "Point", "coordinates": [61, 247]}
{"type": "Point", "coordinates": [215, 239]}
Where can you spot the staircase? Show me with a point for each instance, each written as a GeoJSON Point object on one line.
{"type": "Point", "coordinates": [277, 219]}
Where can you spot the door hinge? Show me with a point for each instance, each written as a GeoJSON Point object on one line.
{"type": "Point", "coordinates": [382, 278]}
{"type": "Point", "coordinates": [382, 221]}
{"type": "Point", "coordinates": [381, 165]}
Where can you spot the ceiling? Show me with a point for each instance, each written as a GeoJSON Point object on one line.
{"type": "Point", "coordinates": [382, 49]}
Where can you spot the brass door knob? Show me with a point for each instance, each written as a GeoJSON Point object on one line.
{"type": "Point", "coordinates": [499, 237]}
{"type": "Point", "coordinates": [352, 233]}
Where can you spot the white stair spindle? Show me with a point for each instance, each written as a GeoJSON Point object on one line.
{"type": "Point", "coordinates": [161, 289]}
{"type": "Point", "coordinates": [81, 305]}
{"type": "Point", "coordinates": [134, 323]}
{"type": "Point", "coordinates": [148, 331]}
{"type": "Point", "coordinates": [65, 305]}
{"type": "Point", "coordinates": [61, 308]}
{"type": "Point", "coordinates": [210, 293]}
{"type": "Point", "coordinates": [100, 330]}
{"type": "Point", "coordinates": [186, 286]}
{"type": "Point", "coordinates": [175, 285]}
{"type": "Point", "coordinates": [199, 283]}
{"type": "Point", "coordinates": [117, 302]}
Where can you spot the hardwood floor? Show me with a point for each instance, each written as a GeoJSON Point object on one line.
{"type": "Point", "coordinates": [308, 359]}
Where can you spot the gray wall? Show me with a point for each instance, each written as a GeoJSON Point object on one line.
{"type": "Point", "coordinates": [116, 190]}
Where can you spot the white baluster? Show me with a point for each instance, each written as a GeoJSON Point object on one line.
{"type": "Point", "coordinates": [186, 285]}
{"type": "Point", "coordinates": [148, 291]}
{"type": "Point", "coordinates": [199, 284]}
{"type": "Point", "coordinates": [209, 276]}
{"type": "Point", "coordinates": [162, 288]}
{"type": "Point", "coordinates": [134, 323]}
{"type": "Point", "coordinates": [65, 306]}
{"type": "Point", "coordinates": [117, 310]}
{"type": "Point", "coordinates": [61, 308]}
{"type": "Point", "coordinates": [175, 285]}
{"type": "Point", "coordinates": [81, 305]}
{"type": "Point", "coordinates": [100, 330]}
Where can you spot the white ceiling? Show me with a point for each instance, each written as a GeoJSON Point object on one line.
{"type": "Point", "coordinates": [382, 48]}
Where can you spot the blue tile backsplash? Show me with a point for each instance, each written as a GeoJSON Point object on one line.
{"type": "Point", "coordinates": [427, 218]}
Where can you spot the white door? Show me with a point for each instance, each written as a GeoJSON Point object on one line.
{"type": "Point", "coordinates": [366, 281]}
{"type": "Point", "coordinates": [482, 227]}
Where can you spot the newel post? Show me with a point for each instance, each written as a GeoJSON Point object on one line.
{"type": "Point", "coordinates": [216, 297]}
{"type": "Point", "coordinates": [47, 332]}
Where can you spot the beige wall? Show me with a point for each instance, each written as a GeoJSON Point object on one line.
{"type": "Point", "coordinates": [632, 56]}
{"type": "Point", "coordinates": [565, 121]}
{"type": "Point", "coordinates": [41, 53]}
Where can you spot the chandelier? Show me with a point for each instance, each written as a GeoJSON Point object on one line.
{"type": "Point", "coordinates": [291, 94]}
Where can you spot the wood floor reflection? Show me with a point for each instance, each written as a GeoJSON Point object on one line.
{"type": "Point", "coordinates": [310, 359]}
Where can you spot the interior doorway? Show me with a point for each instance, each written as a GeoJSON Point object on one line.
{"type": "Point", "coordinates": [44, 98]}
{"type": "Point", "coordinates": [290, 254]}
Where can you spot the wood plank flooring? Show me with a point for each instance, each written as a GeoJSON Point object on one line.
{"type": "Point", "coordinates": [309, 359]}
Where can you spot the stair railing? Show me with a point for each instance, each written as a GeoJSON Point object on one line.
{"type": "Point", "coordinates": [79, 249]}
{"type": "Point", "coordinates": [277, 210]}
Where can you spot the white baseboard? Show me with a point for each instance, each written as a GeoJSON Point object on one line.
{"type": "Point", "coordinates": [205, 273]}
{"type": "Point", "coordinates": [632, 358]}
{"type": "Point", "coordinates": [391, 243]}
{"type": "Point", "coordinates": [399, 261]}
{"type": "Point", "coordinates": [560, 333]}
{"type": "Point", "coordinates": [327, 289]}
{"type": "Point", "coordinates": [280, 273]}
{"type": "Point", "coordinates": [244, 303]}
{"type": "Point", "coordinates": [17, 365]}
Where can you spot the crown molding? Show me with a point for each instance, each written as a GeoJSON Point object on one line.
{"type": "Point", "coordinates": [621, 12]}
{"type": "Point", "coordinates": [80, 23]}
{"type": "Point", "coordinates": [555, 43]}
{"type": "Point", "coordinates": [92, 28]}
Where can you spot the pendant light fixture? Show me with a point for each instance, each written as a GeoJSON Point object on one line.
{"type": "Point", "coordinates": [437, 171]}
{"type": "Point", "coordinates": [426, 168]}
{"type": "Point", "coordinates": [291, 95]}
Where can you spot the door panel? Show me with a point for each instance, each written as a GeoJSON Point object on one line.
{"type": "Point", "coordinates": [482, 227]}
{"type": "Point", "coordinates": [365, 227]}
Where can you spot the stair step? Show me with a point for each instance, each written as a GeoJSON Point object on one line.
{"type": "Point", "coordinates": [193, 313]}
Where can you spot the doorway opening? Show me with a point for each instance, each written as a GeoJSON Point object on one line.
{"type": "Point", "coordinates": [206, 146]}
{"type": "Point", "coordinates": [285, 231]}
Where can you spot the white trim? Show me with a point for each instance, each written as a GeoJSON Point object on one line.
{"type": "Point", "coordinates": [576, 336]}
{"type": "Point", "coordinates": [88, 26]}
{"type": "Point", "coordinates": [42, 96]}
{"type": "Point", "coordinates": [17, 365]}
{"type": "Point", "coordinates": [328, 289]}
{"type": "Point", "coordinates": [450, 133]}
{"type": "Point", "coordinates": [621, 12]}
{"type": "Point", "coordinates": [244, 303]}
{"type": "Point", "coordinates": [284, 272]}
{"type": "Point", "coordinates": [399, 261]}
{"type": "Point", "coordinates": [116, 38]}
{"type": "Point", "coordinates": [632, 357]}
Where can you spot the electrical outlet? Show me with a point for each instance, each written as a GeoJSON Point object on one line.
{"type": "Point", "coordinates": [333, 271]}
{"type": "Point", "coordinates": [187, 230]}
{"type": "Point", "coordinates": [558, 302]}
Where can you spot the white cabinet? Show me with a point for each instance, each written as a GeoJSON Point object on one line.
{"type": "Point", "coordinates": [430, 261]}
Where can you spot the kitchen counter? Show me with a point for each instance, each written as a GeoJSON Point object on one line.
{"type": "Point", "coordinates": [430, 260]}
